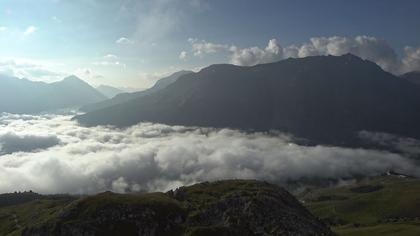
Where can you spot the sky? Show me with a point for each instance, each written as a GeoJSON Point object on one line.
{"type": "Point", "coordinates": [132, 43]}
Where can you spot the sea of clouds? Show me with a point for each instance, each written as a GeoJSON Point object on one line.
{"type": "Point", "coordinates": [52, 154]}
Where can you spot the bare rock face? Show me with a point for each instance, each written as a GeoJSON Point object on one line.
{"type": "Point", "coordinates": [238, 207]}
{"type": "Point", "coordinates": [233, 207]}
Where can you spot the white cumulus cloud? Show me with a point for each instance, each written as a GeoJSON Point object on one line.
{"type": "Point", "coordinates": [411, 61]}
{"type": "Point", "coordinates": [183, 55]}
{"type": "Point", "coordinates": [110, 57]}
{"type": "Point", "coordinates": [366, 47]}
{"type": "Point", "coordinates": [202, 47]}
{"type": "Point", "coordinates": [255, 55]}
{"type": "Point", "coordinates": [30, 30]}
{"type": "Point", "coordinates": [124, 41]}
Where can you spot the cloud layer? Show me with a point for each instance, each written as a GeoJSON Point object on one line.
{"type": "Point", "coordinates": [151, 157]}
{"type": "Point", "coordinates": [370, 48]}
{"type": "Point", "coordinates": [406, 145]}
{"type": "Point", "coordinates": [11, 143]}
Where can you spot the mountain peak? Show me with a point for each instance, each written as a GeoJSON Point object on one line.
{"type": "Point", "coordinates": [219, 67]}
{"type": "Point", "coordinates": [350, 55]}
{"type": "Point", "coordinates": [73, 78]}
{"type": "Point", "coordinates": [35, 96]}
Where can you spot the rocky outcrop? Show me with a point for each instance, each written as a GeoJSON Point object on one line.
{"type": "Point", "coordinates": [247, 208]}
{"type": "Point", "coordinates": [233, 207]}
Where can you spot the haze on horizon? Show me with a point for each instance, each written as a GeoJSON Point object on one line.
{"type": "Point", "coordinates": [127, 43]}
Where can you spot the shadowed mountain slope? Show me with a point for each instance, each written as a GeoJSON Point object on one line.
{"type": "Point", "coordinates": [109, 91]}
{"type": "Point", "coordinates": [326, 99]}
{"type": "Point", "coordinates": [124, 97]}
{"type": "Point", "coordinates": [413, 77]}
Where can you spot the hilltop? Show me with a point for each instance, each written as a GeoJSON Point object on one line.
{"type": "Point", "coordinates": [231, 207]}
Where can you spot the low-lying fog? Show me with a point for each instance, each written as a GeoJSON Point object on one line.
{"type": "Point", "coordinates": [52, 154]}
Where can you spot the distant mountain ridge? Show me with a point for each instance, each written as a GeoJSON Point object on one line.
{"type": "Point", "coordinates": [26, 96]}
{"type": "Point", "coordinates": [413, 77]}
{"type": "Point", "coordinates": [325, 99]}
{"type": "Point", "coordinates": [124, 97]}
{"type": "Point", "coordinates": [109, 91]}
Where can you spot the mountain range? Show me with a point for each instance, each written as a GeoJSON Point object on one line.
{"type": "Point", "coordinates": [124, 97]}
{"type": "Point", "coordinates": [26, 96]}
{"type": "Point", "coordinates": [109, 91]}
{"type": "Point", "coordinates": [323, 99]}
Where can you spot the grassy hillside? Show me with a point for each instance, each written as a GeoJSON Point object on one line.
{"type": "Point", "coordinates": [385, 205]}
{"type": "Point", "coordinates": [14, 218]}
{"type": "Point", "coordinates": [232, 207]}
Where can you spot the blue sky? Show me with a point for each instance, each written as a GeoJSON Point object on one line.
{"type": "Point", "coordinates": [131, 43]}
